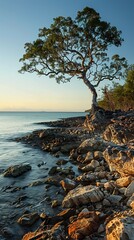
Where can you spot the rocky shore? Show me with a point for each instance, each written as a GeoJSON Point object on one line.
{"type": "Point", "coordinates": [91, 186]}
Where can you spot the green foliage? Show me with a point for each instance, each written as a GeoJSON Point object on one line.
{"type": "Point", "coordinates": [120, 96]}
{"type": "Point", "coordinates": [76, 48]}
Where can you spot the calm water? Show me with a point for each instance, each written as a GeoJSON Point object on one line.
{"type": "Point", "coordinates": [14, 124]}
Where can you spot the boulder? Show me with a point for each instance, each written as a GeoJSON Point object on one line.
{"type": "Point", "coordinates": [28, 219]}
{"type": "Point", "coordinates": [123, 182]}
{"type": "Point", "coordinates": [121, 130]}
{"type": "Point", "coordinates": [35, 235]}
{"type": "Point", "coordinates": [86, 177]}
{"type": "Point", "coordinates": [120, 159]}
{"type": "Point", "coordinates": [82, 195]}
{"type": "Point", "coordinates": [92, 144]}
{"type": "Point", "coordinates": [17, 170]}
{"type": "Point", "coordinates": [68, 184]}
{"type": "Point", "coordinates": [121, 226]}
{"type": "Point", "coordinates": [83, 226]}
{"type": "Point", "coordinates": [130, 189]}
{"type": "Point", "coordinates": [91, 166]}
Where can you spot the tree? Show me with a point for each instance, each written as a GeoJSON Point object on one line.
{"type": "Point", "coordinates": [120, 96]}
{"type": "Point", "coordinates": [76, 48]}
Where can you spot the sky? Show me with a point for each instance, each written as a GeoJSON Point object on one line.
{"type": "Point", "coordinates": [20, 21]}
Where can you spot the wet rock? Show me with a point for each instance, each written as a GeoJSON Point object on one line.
{"type": "Point", "coordinates": [121, 226]}
{"type": "Point", "coordinates": [28, 219]}
{"type": "Point", "coordinates": [37, 183]}
{"type": "Point", "coordinates": [55, 203]}
{"type": "Point", "coordinates": [53, 181]}
{"type": "Point", "coordinates": [82, 195]}
{"type": "Point", "coordinates": [83, 226]}
{"type": "Point", "coordinates": [73, 154]}
{"type": "Point", "coordinates": [68, 184]}
{"type": "Point", "coordinates": [120, 159]}
{"type": "Point", "coordinates": [61, 162]}
{"type": "Point", "coordinates": [53, 170]}
{"type": "Point", "coordinates": [17, 170]}
{"type": "Point", "coordinates": [130, 189]}
{"type": "Point", "coordinates": [7, 232]}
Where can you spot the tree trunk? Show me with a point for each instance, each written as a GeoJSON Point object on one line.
{"type": "Point", "coordinates": [93, 91]}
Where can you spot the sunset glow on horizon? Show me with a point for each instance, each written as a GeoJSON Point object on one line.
{"type": "Point", "coordinates": [20, 22]}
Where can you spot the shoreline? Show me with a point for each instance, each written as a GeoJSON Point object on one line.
{"type": "Point", "coordinates": [94, 194]}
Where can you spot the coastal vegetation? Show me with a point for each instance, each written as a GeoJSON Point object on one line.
{"type": "Point", "coordinates": [119, 96]}
{"type": "Point", "coordinates": [76, 48]}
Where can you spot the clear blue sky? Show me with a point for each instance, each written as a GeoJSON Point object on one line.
{"type": "Point", "coordinates": [19, 23]}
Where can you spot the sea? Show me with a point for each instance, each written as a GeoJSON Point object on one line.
{"type": "Point", "coordinates": [13, 125]}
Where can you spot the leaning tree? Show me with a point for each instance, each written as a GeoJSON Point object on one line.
{"type": "Point", "coordinates": [76, 48]}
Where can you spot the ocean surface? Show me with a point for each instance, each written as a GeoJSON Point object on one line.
{"type": "Point", "coordinates": [15, 124]}
{"type": "Point", "coordinates": [12, 125]}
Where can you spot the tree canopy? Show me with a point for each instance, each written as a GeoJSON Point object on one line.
{"type": "Point", "coordinates": [76, 48]}
{"type": "Point", "coordinates": [120, 96]}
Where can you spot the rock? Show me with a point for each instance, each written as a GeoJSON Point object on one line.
{"type": "Point", "coordinates": [43, 134]}
{"type": "Point", "coordinates": [130, 202]}
{"type": "Point", "coordinates": [91, 166]}
{"type": "Point", "coordinates": [114, 199]}
{"type": "Point", "coordinates": [96, 121]}
{"type": "Point", "coordinates": [17, 170]}
{"type": "Point", "coordinates": [73, 154]}
{"type": "Point", "coordinates": [106, 203]}
{"type": "Point", "coordinates": [7, 232]}
{"type": "Point", "coordinates": [123, 182]}
{"type": "Point", "coordinates": [83, 226]}
{"type": "Point", "coordinates": [109, 186]}
{"type": "Point", "coordinates": [53, 170]}
{"type": "Point", "coordinates": [57, 232]}
{"type": "Point", "coordinates": [121, 130]}
{"type": "Point", "coordinates": [52, 181]}
{"type": "Point", "coordinates": [89, 157]}
{"type": "Point", "coordinates": [121, 226]}
{"type": "Point", "coordinates": [101, 228]}
{"type": "Point", "coordinates": [120, 159]}
{"type": "Point", "coordinates": [37, 183]}
{"type": "Point", "coordinates": [82, 195]}
{"type": "Point", "coordinates": [92, 144]}
{"type": "Point", "coordinates": [98, 155]}
{"type": "Point", "coordinates": [61, 162]}
{"type": "Point", "coordinates": [86, 177]}
{"type": "Point", "coordinates": [68, 184]}
{"type": "Point", "coordinates": [28, 219]}
{"type": "Point", "coordinates": [55, 203]}
{"type": "Point", "coordinates": [35, 235]}
{"type": "Point", "coordinates": [130, 189]}
{"type": "Point", "coordinates": [62, 216]}
{"type": "Point", "coordinates": [68, 147]}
